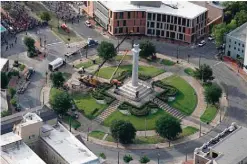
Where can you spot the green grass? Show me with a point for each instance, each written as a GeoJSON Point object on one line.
{"type": "Point", "coordinates": [167, 62]}
{"type": "Point", "coordinates": [74, 123]}
{"type": "Point", "coordinates": [209, 114]}
{"type": "Point", "coordinates": [88, 104]}
{"type": "Point", "coordinates": [189, 71]}
{"type": "Point", "coordinates": [186, 99]}
{"type": "Point", "coordinates": [106, 72]}
{"type": "Point", "coordinates": [38, 8]}
{"type": "Point", "coordinates": [22, 67]}
{"type": "Point", "coordinates": [88, 63]}
{"type": "Point", "coordinates": [109, 138]}
{"type": "Point", "coordinates": [54, 91]}
{"type": "Point", "coordinates": [119, 57]}
{"type": "Point", "coordinates": [97, 134]}
{"type": "Point", "coordinates": [137, 121]}
{"type": "Point", "coordinates": [148, 140]}
{"type": "Point", "coordinates": [187, 131]}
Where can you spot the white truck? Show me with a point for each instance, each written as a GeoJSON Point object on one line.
{"type": "Point", "coordinates": [55, 64]}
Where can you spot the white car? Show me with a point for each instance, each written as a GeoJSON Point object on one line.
{"type": "Point", "coordinates": [210, 38]}
{"type": "Point", "coordinates": [88, 24]}
{"type": "Point", "coordinates": [202, 43]}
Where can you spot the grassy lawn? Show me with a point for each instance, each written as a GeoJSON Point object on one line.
{"type": "Point", "coordinates": [187, 131]}
{"type": "Point", "coordinates": [54, 91]}
{"type": "Point", "coordinates": [148, 140]}
{"type": "Point", "coordinates": [88, 104]}
{"type": "Point", "coordinates": [97, 134]}
{"type": "Point", "coordinates": [138, 122]}
{"type": "Point", "coordinates": [38, 8]}
{"type": "Point", "coordinates": [119, 57]}
{"type": "Point", "coordinates": [189, 71]}
{"type": "Point", "coordinates": [167, 62]}
{"type": "Point", "coordinates": [88, 63]}
{"type": "Point", "coordinates": [209, 114]}
{"type": "Point", "coordinates": [74, 123]}
{"type": "Point", "coordinates": [106, 72]}
{"type": "Point", "coordinates": [186, 99]}
{"type": "Point", "coordinates": [110, 138]}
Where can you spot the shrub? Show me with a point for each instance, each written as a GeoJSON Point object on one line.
{"type": "Point", "coordinates": [144, 77]}
{"type": "Point", "coordinates": [102, 155]}
{"type": "Point", "coordinates": [12, 92]}
{"type": "Point", "coordinates": [98, 95]}
{"type": "Point", "coordinates": [13, 73]}
{"type": "Point", "coordinates": [124, 75]}
{"type": "Point", "coordinates": [144, 159]}
{"type": "Point", "coordinates": [127, 158]}
{"type": "Point", "coordinates": [13, 102]}
{"type": "Point", "coordinates": [94, 111]}
{"type": "Point", "coordinates": [5, 113]}
{"type": "Point", "coordinates": [22, 67]}
{"type": "Point", "coordinates": [109, 100]}
{"type": "Point", "coordinates": [139, 111]}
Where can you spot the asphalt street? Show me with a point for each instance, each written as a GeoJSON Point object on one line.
{"type": "Point", "coordinates": [236, 88]}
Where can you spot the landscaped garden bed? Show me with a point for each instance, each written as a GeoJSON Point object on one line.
{"type": "Point", "coordinates": [97, 134]}
{"type": "Point", "coordinates": [167, 62]}
{"type": "Point", "coordinates": [209, 114]}
{"type": "Point", "coordinates": [186, 98]}
{"type": "Point", "coordinates": [88, 63]}
{"type": "Point", "coordinates": [189, 71]}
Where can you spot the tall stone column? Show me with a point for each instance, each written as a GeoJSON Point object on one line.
{"type": "Point", "coordinates": [135, 52]}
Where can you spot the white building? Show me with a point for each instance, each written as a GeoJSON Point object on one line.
{"type": "Point", "coordinates": [15, 151]}
{"type": "Point", "coordinates": [52, 142]}
{"type": "Point", "coordinates": [4, 64]}
{"type": "Point", "coordinates": [245, 56]}
{"type": "Point", "coordinates": [228, 147]}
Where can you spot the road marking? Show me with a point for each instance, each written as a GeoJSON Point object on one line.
{"type": "Point", "coordinates": [217, 63]}
{"type": "Point", "coordinates": [53, 43]}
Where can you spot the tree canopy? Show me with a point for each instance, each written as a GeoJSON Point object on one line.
{"type": "Point", "coordinates": [127, 158]}
{"type": "Point", "coordinates": [241, 17]}
{"type": "Point", "coordinates": [204, 72]}
{"type": "Point", "coordinates": [218, 32]}
{"type": "Point", "coordinates": [30, 44]}
{"type": "Point", "coordinates": [123, 131]}
{"type": "Point", "coordinates": [147, 49]}
{"type": "Point", "coordinates": [57, 79]}
{"type": "Point", "coordinates": [4, 80]}
{"type": "Point", "coordinates": [106, 50]}
{"type": "Point", "coordinates": [60, 102]}
{"type": "Point", "coordinates": [168, 127]}
{"type": "Point", "coordinates": [45, 16]}
{"type": "Point", "coordinates": [213, 93]}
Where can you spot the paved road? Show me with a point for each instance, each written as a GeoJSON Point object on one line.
{"type": "Point", "coordinates": [235, 86]}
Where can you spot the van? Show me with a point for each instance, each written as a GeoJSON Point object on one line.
{"type": "Point", "coordinates": [55, 64]}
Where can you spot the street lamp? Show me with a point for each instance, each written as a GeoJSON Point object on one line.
{"type": "Point", "coordinates": [177, 53]}
{"type": "Point", "coordinates": [158, 158]}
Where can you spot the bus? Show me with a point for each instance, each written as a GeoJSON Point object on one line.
{"type": "Point", "coordinates": [55, 64]}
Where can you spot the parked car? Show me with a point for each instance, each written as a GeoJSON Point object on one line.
{"type": "Point", "coordinates": [202, 43]}
{"type": "Point", "coordinates": [88, 24]}
{"type": "Point", "coordinates": [18, 108]}
{"type": "Point", "coordinates": [30, 72]}
{"type": "Point", "coordinates": [210, 38]}
{"type": "Point", "coordinates": [91, 42]}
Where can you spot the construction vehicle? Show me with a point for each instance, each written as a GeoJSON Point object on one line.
{"type": "Point", "coordinates": [93, 82]}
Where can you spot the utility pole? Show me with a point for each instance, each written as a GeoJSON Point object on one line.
{"type": "Point", "coordinates": [199, 60]}
{"type": "Point", "coordinates": [200, 129]}
{"type": "Point", "coordinates": [177, 53]}
{"type": "Point", "coordinates": [70, 123]}
{"type": "Point", "coordinates": [220, 113]}
{"type": "Point", "coordinates": [118, 157]}
{"type": "Point", "coordinates": [158, 158]}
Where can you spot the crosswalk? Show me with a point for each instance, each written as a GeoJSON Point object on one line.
{"type": "Point", "coordinates": [169, 109]}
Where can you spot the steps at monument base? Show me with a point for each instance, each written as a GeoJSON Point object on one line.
{"type": "Point", "coordinates": [132, 91]}
{"type": "Point", "coordinates": [132, 95]}
{"type": "Point", "coordinates": [169, 109]}
{"type": "Point", "coordinates": [100, 118]}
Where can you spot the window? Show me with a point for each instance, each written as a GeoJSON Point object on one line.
{"type": "Point", "coordinates": [242, 45]}
{"type": "Point", "coordinates": [154, 16]}
{"type": "Point", "coordinates": [148, 24]}
{"type": "Point", "coordinates": [137, 30]}
{"type": "Point", "coordinates": [175, 20]}
{"type": "Point", "coordinates": [143, 14]}
{"type": "Point", "coordinates": [162, 33]}
{"type": "Point", "coordinates": [157, 25]}
{"type": "Point", "coordinates": [229, 46]}
{"type": "Point", "coordinates": [152, 24]}
{"type": "Point", "coordinates": [235, 42]}
{"type": "Point", "coordinates": [234, 48]}
{"type": "Point", "coordinates": [115, 30]}
{"type": "Point", "coordinates": [239, 44]}
{"type": "Point", "coordinates": [179, 21]}
{"type": "Point", "coordinates": [168, 18]}
{"type": "Point", "coordinates": [149, 31]}
{"type": "Point", "coordinates": [118, 23]}
{"type": "Point", "coordinates": [121, 15]}
{"type": "Point", "coordinates": [149, 16]}
{"type": "Point", "coordinates": [183, 21]}
{"type": "Point", "coordinates": [183, 29]}
{"type": "Point", "coordinates": [161, 25]}
{"type": "Point", "coordinates": [128, 15]}
{"type": "Point", "coordinates": [167, 34]}
{"type": "Point", "coordinates": [242, 51]}
{"type": "Point", "coordinates": [188, 23]}
{"type": "Point", "coordinates": [127, 30]}
{"type": "Point", "coordinates": [120, 30]}
{"type": "Point", "coordinates": [181, 36]}
{"type": "Point", "coordinates": [111, 14]}
{"type": "Point", "coordinates": [163, 18]}
{"type": "Point", "coordinates": [171, 27]}
{"type": "Point", "coordinates": [171, 19]}
{"type": "Point", "coordinates": [157, 32]}
{"type": "Point", "coordinates": [124, 23]}
{"type": "Point", "coordinates": [159, 17]}
{"type": "Point", "coordinates": [238, 49]}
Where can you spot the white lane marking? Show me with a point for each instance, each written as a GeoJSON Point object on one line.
{"type": "Point", "coordinates": [53, 43]}
{"type": "Point", "coordinates": [217, 63]}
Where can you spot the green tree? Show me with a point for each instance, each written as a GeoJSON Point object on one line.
{"type": "Point", "coordinates": [127, 158]}
{"type": "Point", "coordinates": [57, 79]}
{"type": "Point", "coordinates": [213, 93]}
{"type": "Point", "coordinates": [232, 25]}
{"type": "Point", "coordinates": [4, 80]}
{"type": "Point", "coordinates": [147, 49]}
{"type": "Point", "coordinates": [102, 155]}
{"type": "Point", "coordinates": [204, 72]}
{"type": "Point", "coordinates": [12, 92]}
{"type": "Point", "coordinates": [61, 102]}
{"type": "Point", "coordinates": [5, 113]}
{"type": "Point", "coordinates": [168, 127]}
{"type": "Point", "coordinates": [106, 50]}
{"type": "Point", "coordinates": [13, 102]}
{"type": "Point", "coordinates": [218, 32]}
{"type": "Point", "coordinates": [123, 131]}
{"type": "Point", "coordinates": [30, 44]}
{"type": "Point", "coordinates": [144, 159]}
{"type": "Point", "coordinates": [45, 16]}
{"type": "Point", "coordinates": [241, 17]}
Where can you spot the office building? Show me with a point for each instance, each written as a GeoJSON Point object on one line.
{"type": "Point", "coordinates": [228, 147]}
{"type": "Point", "coordinates": [182, 21]}
{"type": "Point", "coordinates": [236, 42]}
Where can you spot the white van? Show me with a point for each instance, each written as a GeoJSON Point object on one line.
{"type": "Point", "coordinates": [55, 64]}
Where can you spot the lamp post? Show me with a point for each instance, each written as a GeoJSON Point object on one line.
{"type": "Point", "coordinates": [158, 158]}
{"type": "Point", "coordinates": [118, 157]}
{"type": "Point", "coordinates": [177, 53]}
{"type": "Point", "coordinates": [200, 129]}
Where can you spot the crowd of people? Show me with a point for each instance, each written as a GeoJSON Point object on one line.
{"type": "Point", "coordinates": [17, 19]}
{"type": "Point", "coordinates": [63, 10]}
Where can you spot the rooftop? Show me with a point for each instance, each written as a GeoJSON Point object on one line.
{"type": "Point", "coordinates": [182, 8]}
{"type": "Point", "coordinates": [65, 144]}
{"type": "Point", "coordinates": [3, 61]}
{"type": "Point", "coordinates": [30, 118]}
{"type": "Point", "coordinates": [233, 148]}
{"type": "Point", "coordinates": [21, 154]}
{"type": "Point", "coordinates": [240, 32]}
{"type": "Point", "coordinates": [9, 138]}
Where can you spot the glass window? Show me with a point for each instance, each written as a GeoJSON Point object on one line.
{"type": "Point", "coordinates": [149, 31]}
{"type": "Point", "coordinates": [161, 25]}
{"type": "Point", "coordinates": [143, 14]}
{"type": "Point", "coordinates": [157, 25]}
{"type": "Point", "coordinates": [234, 48]}
{"type": "Point", "coordinates": [115, 30]}
{"type": "Point", "coordinates": [235, 42]}
{"type": "Point", "coordinates": [184, 22]}
{"type": "Point", "coordinates": [183, 29]}
{"type": "Point", "coordinates": [124, 23]}
{"type": "Point", "coordinates": [168, 18]}
{"type": "Point", "coordinates": [159, 17]}
{"type": "Point", "coordinates": [239, 44]}
{"type": "Point", "coordinates": [162, 33]}
{"type": "Point", "coordinates": [175, 20]}
{"type": "Point", "coordinates": [179, 21]}
{"type": "Point", "coordinates": [128, 15]}
{"type": "Point", "coordinates": [171, 27]}
{"type": "Point", "coordinates": [242, 45]}
{"type": "Point", "coordinates": [163, 18]}
{"type": "Point", "coordinates": [118, 23]}
{"type": "Point", "coordinates": [188, 23]}
{"type": "Point", "coordinates": [154, 15]}
{"type": "Point", "coordinates": [152, 24]}
{"type": "Point", "coordinates": [148, 24]}
{"type": "Point", "coordinates": [149, 16]}
{"type": "Point", "coordinates": [167, 34]}
{"type": "Point", "coordinates": [137, 30]}
{"type": "Point", "coordinates": [157, 32]}
{"type": "Point", "coordinates": [121, 15]}
{"type": "Point", "coordinates": [120, 30]}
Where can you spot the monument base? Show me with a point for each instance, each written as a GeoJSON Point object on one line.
{"type": "Point", "coordinates": [135, 93]}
